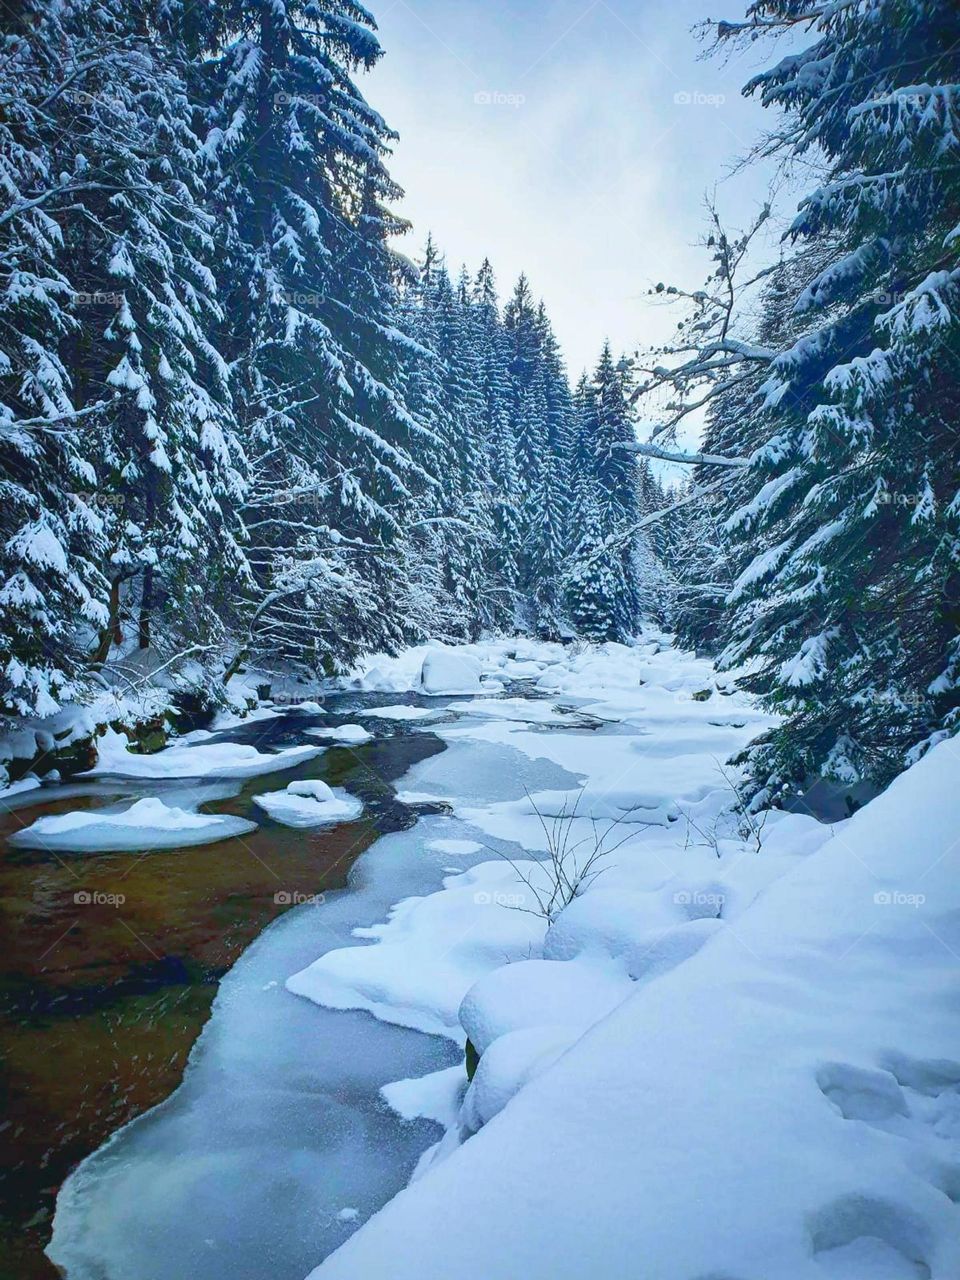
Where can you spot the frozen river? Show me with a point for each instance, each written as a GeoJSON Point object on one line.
{"type": "Point", "coordinates": [277, 1144]}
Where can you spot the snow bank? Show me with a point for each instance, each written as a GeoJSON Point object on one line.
{"type": "Point", "coordinates": [431, 951]}
{"type": "Point", "coordinates": [309, 803]}
{"type": "Point", "coordinates": [215, 759]}
{"type": "Point", "coordinates": [783, 1104]}
{"type": "Point", "coordinates": [147, 825]}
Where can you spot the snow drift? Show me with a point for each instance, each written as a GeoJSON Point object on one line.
{"type": "Point", "coordinates": [784, 1105]}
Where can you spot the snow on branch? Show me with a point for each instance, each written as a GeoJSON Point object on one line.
{"type": "Point", "coordinates": [674, 455]}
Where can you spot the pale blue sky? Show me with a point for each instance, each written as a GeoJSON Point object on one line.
{"type": "Point", "coordinates": [549, 135]}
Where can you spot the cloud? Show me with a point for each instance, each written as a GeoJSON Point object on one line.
{"type": "Point", "coordinates": [567, 139]}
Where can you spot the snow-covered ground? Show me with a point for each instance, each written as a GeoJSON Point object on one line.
{"type": "Point", "coordinates": [727, 1056]}
{"type": "Point", "coordinates": [732, 1056]}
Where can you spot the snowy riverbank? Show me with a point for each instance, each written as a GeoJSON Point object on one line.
{"type": "Point", "coordinates": [728, 1057]}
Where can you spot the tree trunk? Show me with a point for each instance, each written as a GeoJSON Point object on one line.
{"type": "Point", "coordinates": [146, 604]}
{"type": "Point", "coordinates": [112, 633]}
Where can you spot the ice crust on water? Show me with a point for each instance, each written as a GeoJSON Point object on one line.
{"type": "Point", "coordinates": [353, 734]}
{"type": "Point", "coordinates": [279, 1123]}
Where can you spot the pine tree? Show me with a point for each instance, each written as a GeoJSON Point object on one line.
{"type": "Point", "coordinates": [593, 579]}
{"type": "Point", "coordinates": [51, 539]}
{"type": "Point", "coordinates": [297, 159]}
{"type": "Point", "coordinates": [851, 607]}
{"type": "Point", "coordinates": [112, 199]}
{"type": "Point", "coordinates": [609, 484]}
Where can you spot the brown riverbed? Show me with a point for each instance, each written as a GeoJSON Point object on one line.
{"type": "Point", "coordinates": [101, 1001]}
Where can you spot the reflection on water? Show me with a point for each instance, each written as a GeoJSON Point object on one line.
{"type": "Point", "coordinates": [111, 961]}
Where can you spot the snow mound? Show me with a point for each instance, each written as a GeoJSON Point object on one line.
{"type": "Point", "coordinates": [309, 803]}
{"type": "Point", "coordinates": [147, 825]}
{"type": "Point", "coordinates": [354, 734]}
{"type": "Point", "coordinates": [313, 788]}
{"type": "Point", "coordinates": [531, 993]}
{"type": "Point", "coordinates": [210, 760]}
{"type": "Point", "coordinates": [30, 783]}
{"type": "Point", "coordinates": [507, 1065]}
{"type": "Point", "coordinates": [447, 671]}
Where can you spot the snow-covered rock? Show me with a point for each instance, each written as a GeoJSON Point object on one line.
{"type": "Point", "coordinates": [532, 993]}
{"type": "Point", "coordinates": [509, 1063]}
{"type": "Point", "coordinates": [29, 783]}
{"type": "Point", "coordinates": [309, 803]}
{"type": "Point", "coordinates": [207, 760]}
{"type": "Point", "coordinates": [447, 671]}
{"type": "Point", "coordinates": [147, 825]}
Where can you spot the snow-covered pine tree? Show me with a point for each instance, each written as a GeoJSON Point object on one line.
{"type": "Point", "coordinates": [593, 579]}
{"type": "Point", "coordinates": [501, 446]}
{"type": "Point", "coordinates": [852, 608]}
{"type": "Point", "coordinates": [606, 505]}
{"type": "Point", "coordinates": [473, 528]}
{"type": "Point", "coordinates": [112, 198]}
{"type": "Point", "coordinates": [50, 537]}
{"type": "Point", "coordinates": [297, 168]}
{"type": "Point", "coordinates": [427, 532]}
{"type": "Point", "coordinates": [465, 480]}
{"type": "Point", "coordinates": [141, 243]}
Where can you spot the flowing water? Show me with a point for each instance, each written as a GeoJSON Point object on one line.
{"type": "Point", "coordinates": [102, 1001]}
{"type": "Point", "coordinates": [254, 1148]}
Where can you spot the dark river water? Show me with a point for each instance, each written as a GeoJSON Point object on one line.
{"type": "Point", "coordinates": [100, 1003]}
